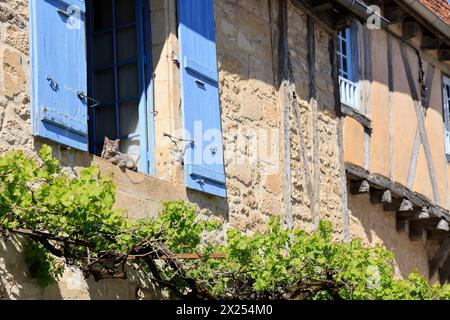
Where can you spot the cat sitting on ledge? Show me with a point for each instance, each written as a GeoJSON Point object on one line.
{"type": "Point", "coordinates": [111, 153]}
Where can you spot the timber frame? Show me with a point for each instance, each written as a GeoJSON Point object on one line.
{"type": "Point", "coordinates": [422, 219]}
{"type": "Point", "coordinates": [415, 214]}
{"type": "Point", "coordinates": [393, 13]}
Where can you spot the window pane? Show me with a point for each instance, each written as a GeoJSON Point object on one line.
{"type": "Point", "coordinates": [104, 86]}
{"type": "Point", "coordinates": [105, 124]}
{"type": "Point", "coordinates": [344, 49]}
{"type": "Point", "coordinates": [103, 49]}
{"type": "Point", "coordinates": [102, 14]}
{"type": "Point", "coordinates": [128, 81]}
{"type": "Point", "coordinates": [126, 44]}
{"type": "Point", "coordinates": [132, 148]}
{"type": "Point", "coordinates": [125, 11]}
{"type": "Point", "coordinates": [129, 118]}
{"type": "Point", "coordinates": [344, 65]}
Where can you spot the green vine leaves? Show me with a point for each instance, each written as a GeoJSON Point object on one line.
{"type": "Point", "coordinates": [73, 220]}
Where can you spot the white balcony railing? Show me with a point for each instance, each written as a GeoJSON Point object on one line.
{"type": "Point", "coordinates": [447, 142]}
{"type": "Point", "coordinates": [349, 93]}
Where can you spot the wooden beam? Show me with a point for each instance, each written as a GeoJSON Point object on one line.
{"type": "Point", "coordinates": [325, 5]}
{"type": "Point", "coordinates": [417, 233]}
{"type": "Point", "coordinates": [411, 28]}
{"type": "Point", "coordinates": [444, 55]}
{"type": "Point", "coordinates": [396, 190]}
{"type": "Point", "coordinates": [393, 205]}
{"type": "Point", "coordinates": [342, 22]}
{"type": "Point", "coordinates": [418, 17]}
{"type": "Point", "coordinates": [421, 123]}
{"type": "Point", "coordinates": [429, 42]}
{"type": "Point", "coordinates": [394, 14]}
{"type": "Point", "coordinates": [437, 235]}
{"type": "Point", "coordinates": [439, 257]}
{"type": "Point", "coordinates": [358, 116]}
{"type": "Point", "coordinates": [376, 195]}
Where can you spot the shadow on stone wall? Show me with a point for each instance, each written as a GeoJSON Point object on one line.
{"type": "Point", "coordinates": [17, 284]}
{"type": "Point", "coordinates": [373, 225]}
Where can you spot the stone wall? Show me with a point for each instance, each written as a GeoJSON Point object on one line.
{"type": "Point", "coordinates": [252, 105]}
{"type": "Point", "coordinates": [374, 226]}
{"type": "Point", "coordinates": [139, 195]}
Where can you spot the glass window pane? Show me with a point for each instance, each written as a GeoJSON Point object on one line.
{"type": "Point", "coordinates": [102, 14]}
{"type": "Point", "coordinates": [126, 44]}
{"type": "Point", "coordinates": [104, 86]}
{"type": "Point", "coordinates": [132, 148]}
{"type": "Point", "coordinates": [125, 11]}
{"type": "Point", "coordinates": [103, 49]}
{"type": "Point", "coordinates": [128, 81]}
{"type": "Point", "coordinates": [344, 65]}
{"type": "Point", "coordinates": [105, 119]}
{"type": "Point", "coordinates": [129, 118]}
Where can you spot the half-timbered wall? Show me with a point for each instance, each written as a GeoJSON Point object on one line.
{"type": "Point", "coordinates": [405, 143]}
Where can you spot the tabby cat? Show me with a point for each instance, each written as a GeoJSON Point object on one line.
{"type": "Point", "coordinates": [111, 152]}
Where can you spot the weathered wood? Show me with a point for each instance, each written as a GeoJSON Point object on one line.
{"type": "Point", "coordinates": [358, 116]}
{"type": "Point", "coordinates": [358, 187]}
{"type": "Point", "coordinates": [311, 57]}
{"type": "Point", "coordinates": [439, 257]}
{"type": "Point", "coordinates": [444, 55]}
{"type": "Point", "coordinates": [376, 195]}
{"type": "Point", "coordinates": [394, 14]}
{"type": "Point", "coordinates": [325, 5]}
{"type": "Point", "coordinates": [411, 29]}
{"type": "Point", "coordinates": [397, 190]}
{"type": "Point", "coordinates": [407, 216]}
{"type": "Point", "coordinates": [393, 205]}
{"type": "Point", "coordinates": [417, 234]}
{"type": "Point", "coordinates": [437, 235]}
{"type": "Point", "coordinates": [429, 42]}
{"type": "Point", "coordinates": [411, 12]}
{"type": "Point", "coordinates": [390, 104]}
{"type": "Point", "coordinates": [429, 223]}
{"type": "Point", "coordinates": [284, 70]}
{"type": "Point", "coordinates": [421, 122]}
{"type": "Point", "coordinates": [332, 45]}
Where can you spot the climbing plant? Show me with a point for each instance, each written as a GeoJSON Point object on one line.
{"type": "Point", "coordinates": [73, 220]}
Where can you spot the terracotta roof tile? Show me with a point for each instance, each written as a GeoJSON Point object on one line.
{"type": "Point", "coordinates": [441, 8]}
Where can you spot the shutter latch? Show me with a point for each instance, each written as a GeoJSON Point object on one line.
{"type": "Point", "coordinates": [83, 96]}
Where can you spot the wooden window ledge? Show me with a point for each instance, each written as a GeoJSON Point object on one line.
{"type": "Point", "coordinates": [358, 116]}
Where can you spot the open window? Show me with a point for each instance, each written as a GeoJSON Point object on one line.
{"type": "Point", "coordinates": [119, 75]}
{"type": "Point", "coordinates": [446, 100]}
{"type": "Point", "coordinates": [92, 75]}
{"type": "Point", "coordinates": [348, 67]}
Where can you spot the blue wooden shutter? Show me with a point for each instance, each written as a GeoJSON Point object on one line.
{"type": "Point", "coordinates": [204, 169]}
{"type": "Point", "coordinates": [58, 66]}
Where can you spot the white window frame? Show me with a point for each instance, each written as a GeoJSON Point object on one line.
{"type": "Point", "coordinates": [446, 106]}
{"type": "Point", "coordinates": [348, 77]}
